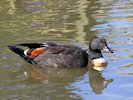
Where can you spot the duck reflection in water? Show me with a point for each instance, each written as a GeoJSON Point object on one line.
{"type": "Point", "coordinates": [54, 75]}
{"type": "Point", "coordinates": [97, 81]}
{"type": "Point", "coordinates": [67, 76]}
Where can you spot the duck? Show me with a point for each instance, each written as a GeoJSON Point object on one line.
{"type": "Point", "coordinates": [51, 54]}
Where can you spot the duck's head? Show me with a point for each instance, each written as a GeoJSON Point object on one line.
{"type": "Point", "coordinates": [96, 45]}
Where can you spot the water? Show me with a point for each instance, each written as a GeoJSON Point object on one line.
{"type": "Point", "coordinates": [68, 22]}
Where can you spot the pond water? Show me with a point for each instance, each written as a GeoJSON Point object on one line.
{"type": "Point", "coordinates": [68, 22]}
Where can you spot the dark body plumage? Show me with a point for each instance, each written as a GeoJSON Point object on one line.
{"type": "Point", "coordinates": [54, 55]}
{"type": "Point", "coordinates": [63, 56]}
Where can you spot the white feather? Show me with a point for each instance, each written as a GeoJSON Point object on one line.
{"type": "Point", "coordinates": [99, 60]}
{"type": "Point", "coordinates": [25, 52]}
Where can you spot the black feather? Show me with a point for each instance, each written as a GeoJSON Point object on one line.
{"type": "Point", "coordinates": [20, 52]}
{"type": "Point", "coordinates": [32, 45]}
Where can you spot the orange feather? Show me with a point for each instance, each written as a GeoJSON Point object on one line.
{"type": "Point", "coordinates": [36, 52]}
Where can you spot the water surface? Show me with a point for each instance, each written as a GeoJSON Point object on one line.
{"type": "Point", "coordinates": [68, 22]}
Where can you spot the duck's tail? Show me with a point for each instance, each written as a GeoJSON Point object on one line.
{"type": "Point", "coordinates": [20, 52]}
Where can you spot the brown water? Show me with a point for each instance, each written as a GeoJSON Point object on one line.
{"type": "Point", "coordinates": [68, 22]}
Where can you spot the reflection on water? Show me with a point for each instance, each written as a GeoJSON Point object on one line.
{"type": "Point", "coordinates": [68, 76]}
{"type": "Point", "coordinates": [93, 79]}
{"type": "Point", "coordinates": [97, 81]}
{"type": "Point", "coordinates": [55, 78]}
{"type": "Point", "coordinates": [66, 21]}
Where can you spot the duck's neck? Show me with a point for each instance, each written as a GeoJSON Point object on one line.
{"type": "Point", "coordinates": [97, 60]}
{"type": "Point", "coordinates": [95, 54]}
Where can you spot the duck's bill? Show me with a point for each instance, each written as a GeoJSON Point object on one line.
{"type": "Point", "coordinates": [107, 49]}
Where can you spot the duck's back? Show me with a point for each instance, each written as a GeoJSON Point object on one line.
{"type": "Point", "coordinates": [62, 56]}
